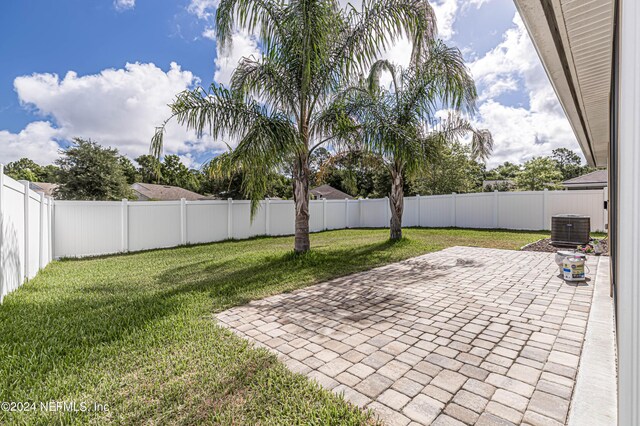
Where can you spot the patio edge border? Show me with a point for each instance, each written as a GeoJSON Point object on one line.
{"type": "Point", "coordinates": [595, 396]}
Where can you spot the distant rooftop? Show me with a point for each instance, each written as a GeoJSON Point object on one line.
{"type": "Point", "coordinates": [153, 192]}
{"type": "Point", "coordinates": [597, 179]}
{"type": "Point", "coordinates": [328, 192]}
{"type": "Point", "coordinates": [45, 187]}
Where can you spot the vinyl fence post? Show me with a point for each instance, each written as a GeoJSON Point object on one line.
{"type": "Point", "coordinates": [26, 229]}
{"type": "Point", "coordinates": [418, 208]}
{"type": "Point", "coordinates": [324, 214]}
{"type": "Point", "coordinates": [229, 218]}
{"type": "Point", "coordinates": [183, 221]}
{"type": "Point", "coordinates": [386, 211]}
{"type": "Point", "coordinates": [453, 209]}
{"type": "Point", "coordinates": [2, 268]}
{"type": "Point", "coordinates": [361, 212]}
{"type": "Point", "coordinates": [124, 221]}
{"type": "Point", "coordinates": [346, 213]}
{"type": "Point", "coordinates": [545, 201]}
{"type": "Point", "coordinates": [41, 239]}
{"type": "Point", "coordinates": [267, 217]}
{"type": "Point", "coordinates": [50, 220]}
{"type": "Point", "coordinates": [496, 212]}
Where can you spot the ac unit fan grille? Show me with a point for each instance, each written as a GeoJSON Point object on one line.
{"type": "Point", "coordinates": [570, 230]}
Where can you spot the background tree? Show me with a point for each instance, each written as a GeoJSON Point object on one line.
{"type": "Point", "coordinates": [50, 174]}
{"type": "Point", "coordinates": [308, 48]}
{"type": "Point", "coordinates": [91, 172]}
{"type": "Point", "coordinates": [149, 169]}
{"type": "Point", "coordinates": [317, 159]}
{"type": "Point", "coordinates": [129, 170]}
{"type": "Point", "coordinates": [396, 123]}
{"type": "Point", "coordinates": [569, 163]}
{"type": "Point", "coordinates": [173, 172]}
{"type": "Point", "coordinates": [453, 170]}
{"type": "Point", "coordinates": [27, 169]}
{"type": "Point", "coordinates": [357, 173]}
{"type": "Point", "coordinates": [224, 187]}
{"type": "Point", "coordinates": [538, 174]}
{"type": "Point", "coordinates": [505, 171]}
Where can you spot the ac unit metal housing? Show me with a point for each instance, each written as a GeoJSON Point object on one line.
{"type": "Point", "coordinates": [570, 230]}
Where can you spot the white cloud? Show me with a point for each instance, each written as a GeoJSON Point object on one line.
{"type": "Point", "coordinates": [446, 12]}
{"type": "Point", "coordinates": [243, 45]}
{"type": "Point", "coordinates": [519, 133]}
{"type": "Point", "coordinates": [515, 56]}
{"type": "Point", "coordinates": [203, 9]}
{"type": "Point", "coordinates": [209, 33]}
{"type": "Point", "coordinates": [117, 107]}
{"type": "Point", "coordinates": [122, 5]}
{"type": "Point", "coordinates": [36, 141]}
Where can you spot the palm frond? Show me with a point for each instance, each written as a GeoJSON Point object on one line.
{"type": "Point", "coordinates": [264, 80]}
{"type": "Point", "coordinates": [263, 15]}
{"type": "Point", "coordinates": [441, 81]}
{"type": "Point", "coordinates": [456, 126]}
{"type": "Point", "coordinates": [266, 136]}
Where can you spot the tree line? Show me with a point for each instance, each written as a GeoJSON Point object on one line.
{"type": "Point", "coordinates": [88, 171]}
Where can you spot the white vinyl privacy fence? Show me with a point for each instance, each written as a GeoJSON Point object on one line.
{"type": "Point", "coordinates": [35, 229]}
{"type": "Point", "coordinates": [25, 233]}
{"type": "Point", "coordinates": [84, 228]}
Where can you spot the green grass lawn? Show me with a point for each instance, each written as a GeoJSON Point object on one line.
{"type": "Point", "coordinates": [136, 332]}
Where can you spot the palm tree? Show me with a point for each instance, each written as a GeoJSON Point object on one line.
{"type": "Point", "coordinates": [309, 47]}
{"type": "Point", "coordinates": [399, 123]}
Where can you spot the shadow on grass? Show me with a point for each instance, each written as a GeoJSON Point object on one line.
{"type": "Point", "coordinates": [64, 328]}
{"type": "Point", "coordinates": [273, 274]}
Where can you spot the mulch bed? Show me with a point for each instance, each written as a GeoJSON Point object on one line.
{"type": "Point", "coordinates": [545, 245]}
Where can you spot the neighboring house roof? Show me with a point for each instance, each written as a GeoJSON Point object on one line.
{"type": "Point", "coordinates": [597, 179]}
{"type": "Point", "coordinates": [44, 187]}
{"type": "Point", "coordinates": [328, 192]}
{"type": "Point", "coordinates": [150, 191]}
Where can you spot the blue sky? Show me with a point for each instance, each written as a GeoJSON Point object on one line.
{"type": "Point", "coordinates": [106, 69]}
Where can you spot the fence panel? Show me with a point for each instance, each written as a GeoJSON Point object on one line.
{"type": "Point", "coordinates": [87, 228]}
{"type": "Point", "coordinates": [12, 247]}
{"type": "Point", "coordinates": [353, 215]}
{"type": "Point", "coordinates": [207, 221]}
{"type": "Point", "coordinates": [410, 212]}
{"type": "Point", "coordinates": [316, 212]}
{"type": "Point", "coordinates": [375, 213]}
{"type": "Point", "coordinates": [587, 202]}
{"type": "Point", "coordinates": [474, 210]}
{"type": "Point", "coordinates": [32, 232]}
{"type": "Point", "coordinates": [337, 214]}
{"type": "Point", "coordinates": [282, 215]}
{"type": "Point", "coordinates": [521, 210]}
{"type": "Point", "coordinates": [436, 211]}
{"type": "Point", "coordinates": [24, 233]}
{"type": "Point", "coordinates": [153, 224]}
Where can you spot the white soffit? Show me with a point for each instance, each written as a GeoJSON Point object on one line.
{"type": "Point", "coordinates": [574, 39]}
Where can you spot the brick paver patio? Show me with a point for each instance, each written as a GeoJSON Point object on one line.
{"type": "Point", "coordinates": [461, 336]}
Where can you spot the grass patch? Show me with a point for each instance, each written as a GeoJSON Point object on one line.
{"type": "Point", "coordinates": [136, 332]}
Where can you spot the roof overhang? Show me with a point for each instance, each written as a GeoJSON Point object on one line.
{"type": "Point", "coordinates": [574, 39]}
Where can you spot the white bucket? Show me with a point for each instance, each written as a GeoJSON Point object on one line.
{"type": "Point", "coordinates": [573, 269]}
{"type": "Point", "coordinates": [562, 255]}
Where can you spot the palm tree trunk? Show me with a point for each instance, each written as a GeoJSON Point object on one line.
{"type": "Point", "coordinates": [301, 200]}
{"type": "Point", "coordinates": [396, 202]}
